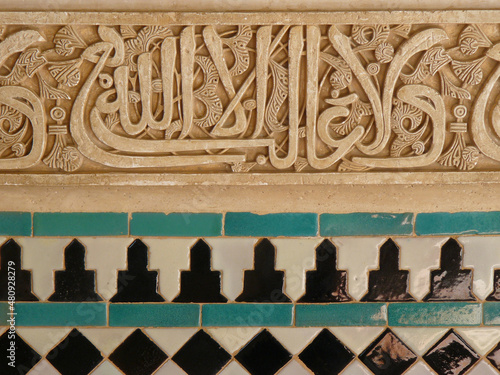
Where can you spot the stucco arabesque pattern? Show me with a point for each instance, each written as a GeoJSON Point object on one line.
{"type": "Point", "coordinates": [271, 98]}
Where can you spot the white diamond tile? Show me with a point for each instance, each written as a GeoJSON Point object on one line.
{"type": "Point", "coordinates": [45, 368]}
{"type": "Point", "coordinates": [294, 368]}
{"type": "Point", "coordinates": [356, 368]}
{"type": "Point", "coordinates": [419, 368]}
{"type": "Point", "coordinates": [419, 339]}
{"type": "Point", "coordinates": [106, 339]}
{"type": "Point", "coordinates": [294, 339]}
{"type": "Point", "coordinates": [106, 368]}
{"type": "Point", "coordinates": [170, 340]}
{"type": "Point", "coordinates": [481, 339]}
{"type": "Point", "coordinates": [233, 368]}
{"type": "Point", "coordinates": [233, 338]}
{"type": "Point", "coordinates": [170, 368]}
{"type": "Point", "coordinates": [482, 368]}
{"type": "Point", "coordinates": [356, 339]}
{"type": "Point", "coordinates": [43, 339]}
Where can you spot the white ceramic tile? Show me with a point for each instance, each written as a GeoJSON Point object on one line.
{"type": "Point", "coordinates": [294, 368]}
{"type": "Point", "coordinates": [419, 368]}
{"type": "Point", "coordinates": [420, 256]}
{"type": "Point", "coordinates": [356, 368]}
{"type": "Point", "coordinates": [106, 368]}
{"type": "Point", "coordinates": [43, 339]}
{"type": "Point", "coordinates": [482, 368]}
{"type": "Point", "coordinates": [482, 254]}
{"type": "Point", "coordinates": [170, 340]}
{"type": "Point", "coordinates": [419, 339]}
{"type": "Point", "coordinates": [170, 368]}
{"type": "Point", "coordinates": [233, 338]}
{"type": "Point", "coordinates": [106, 339]}
{"type": "Point", "coordinates": [42, 256]}
{"type": "Point", "coordinates": [233, 368]}
{"type": "Point", "coordinates": [294, 339]}
{"type": "Point", "coordinates": [231, 256]}
{"type": "Point", "coordinates": [295, 256]}
{"type": "Point", "coordinates": [45, 368]}
{"type": "Point", "coordinates": [481, 339]}
{"type": "Point", "coordinates": [358, 256]}
{"type": "Point", "coordinates": [106, 256]}
{"type": "Point", "coordinates": [356, 339]}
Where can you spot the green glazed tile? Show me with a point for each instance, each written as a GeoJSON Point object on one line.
{"type": "Point", "coordinates": [80, 224]}
{"type": "Point", "coordinates": [457, 223]}
{"type": "Point", "coordinates": [491, 311]}
{"type": "Point", "coordinates": [348, 314]}
{"type": "Point", "coordinates": [247, 315]}
{"type": "Point", "coordinates": [176, 224]}
{"type": "Point", "coordinates": [271, 225]}
{"type": "Point", "coordinates": [435, 314]}
{"type": "Point", "coordinates": [154, 315]}
{"type": "Point", "coordinates": [366, 224]}
{"type": "Point", "coordinates": [70, 314]}
{"type": "Point", "coordinates": [15, 223]}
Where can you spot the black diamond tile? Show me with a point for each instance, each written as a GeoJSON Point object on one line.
{"type": "Point", "coordinates": [494, 357]}
{"type": "Point", "coordinates": [326, 355]}
{"type": "Point", "coordinates": [451, 355]}
{"type": "Point", "coordinates": [263, 355]}
{"type": "Point", "coordinates": [25, 356]}
{"type": "Point", "coordinates": [388, 355]}
{"type": "Point", "coordinates": [138, 355]}
{"type": "Point", "coordinates": [75, 355]}
{"type": "Point", "coordinates": [201, 355]}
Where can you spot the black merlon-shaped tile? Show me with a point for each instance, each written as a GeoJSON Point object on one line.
{"type": "Point", "coordinates": [138, 355]}
{"type": "Point", "coordinates": [24, 359]}
{"type": "Point", "coordinates": [201, 355]}
{"type": "Point", "coordinates": [10, 256]}
{"type": "Point", "coordinates": [75, 283]}
{"type": "Point", "coordinates": [137, 284]}
{"type": "Point", "coordinates": [326, 283]}
{"type": "Point", "coordinates": [75, 355]}
{"type": "Point", "coordinates": [200, 284]}
{"type": "Point", "coordinates": [451, 282]}
{"type": "Point", "coordinates": [388, 283]}
{"type": "Point", "coordinates": [264, 283]}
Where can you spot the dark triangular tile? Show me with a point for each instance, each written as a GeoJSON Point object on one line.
{"type": "Point", "coordinates": [137, 284]}
{"type": "Point", "coordinates": [201, 355]}
{"type": "Point", "coordinates": [494, 357]}
{"type": "Point", "coordinates": [138, 355]}
{"type": "Point", "coordinates": [75, 283]}
{"type": "Point", "coordinates": [10, 260]}
{"type": "Point", "coordinates": [495, 295]}
{"type": "Point", "coordinates": [388, 283]}
{"type": "Point", "coordinates": [388, 355]}
{"type": "Point", "coordinates": [451, 355]}
{"type": "Point", "coordinates": [75, 355]}
{"type": "Point", "coordinates": [25, 358]}
{"type": "Point", "coordinates": [264, 283]}
{"type": "Point", "coordinates": [263, 355]}
{"type": "Point", "coordinates": [451, 282]}
{"type": "Point", "coordinates": [326, 355]}
{"type": "Point", "coordinates": [200, 284]}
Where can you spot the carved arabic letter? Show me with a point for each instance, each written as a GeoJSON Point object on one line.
{"type": "Point", "coordinates": [188, 49]}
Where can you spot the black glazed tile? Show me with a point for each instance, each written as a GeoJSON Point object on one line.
{"type": "Point", "coordinates": [451, 282]}
{"type": "Point", "coordinates": [451, 355]}
{"type": "Point", "coordinates": [138, 355]}
{"type": "Point", "coordinates": [11, 252]}
{"type": "Point", "coordinates": [326, 283]}
{"type": "Point", "coordinates": [201, 355]}
{"type": "Point", "coordinates": [75, 283]}
{"type": "Point", "coordinates": [137, 284]}
{"type": "Point", "coordinates": [25, 357]}
{"type": "Point", "coordinates": [264, 283]}
{"type": "Point", "coordinates": [326, 355]}
{"type": "Point", "coordinates": [494, 357]}
{"type": "Point", "coordinates": [75, 355]}
{"type": "Point", "coordinates": [200, 284]}
{"type": "Point", "coordinates": [495, 295]}
{"type": "Point", "coordinates": [388, 283]}
{"type": "Point", "coordinates": [388, 355]}
{"type": "Point", "coordinates": [263, 355]}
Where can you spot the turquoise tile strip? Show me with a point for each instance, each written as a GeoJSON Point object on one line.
{"type": "Point", "coordinates": [154, 315]}
{"type": "Point", "coordinates": [430, 314]}
{"type": "Point", "coordinates": [349, 314]}
{"type": "Point", "coordinates": [247, 315]}
{"type": "Point", "coordinates": [457, 223]}
{"type": "Point", "coordinates": [491, 311]}
{"type": "Point", "coordinates": [366, 224]}
{"type": "Point", "coordinates": [15, 223]}
{"type": "Point", "coordinates": [80, 224]}
{"type": "Point", "coordinates": [55, 314]}
{"type": "Point", "coordinates": [176, 224]}
{"type": "Point", "coordinates": [271, 225]}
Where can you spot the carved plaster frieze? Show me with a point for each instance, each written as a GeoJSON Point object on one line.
{"type": "Point", "coordinates": [281, 98]}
